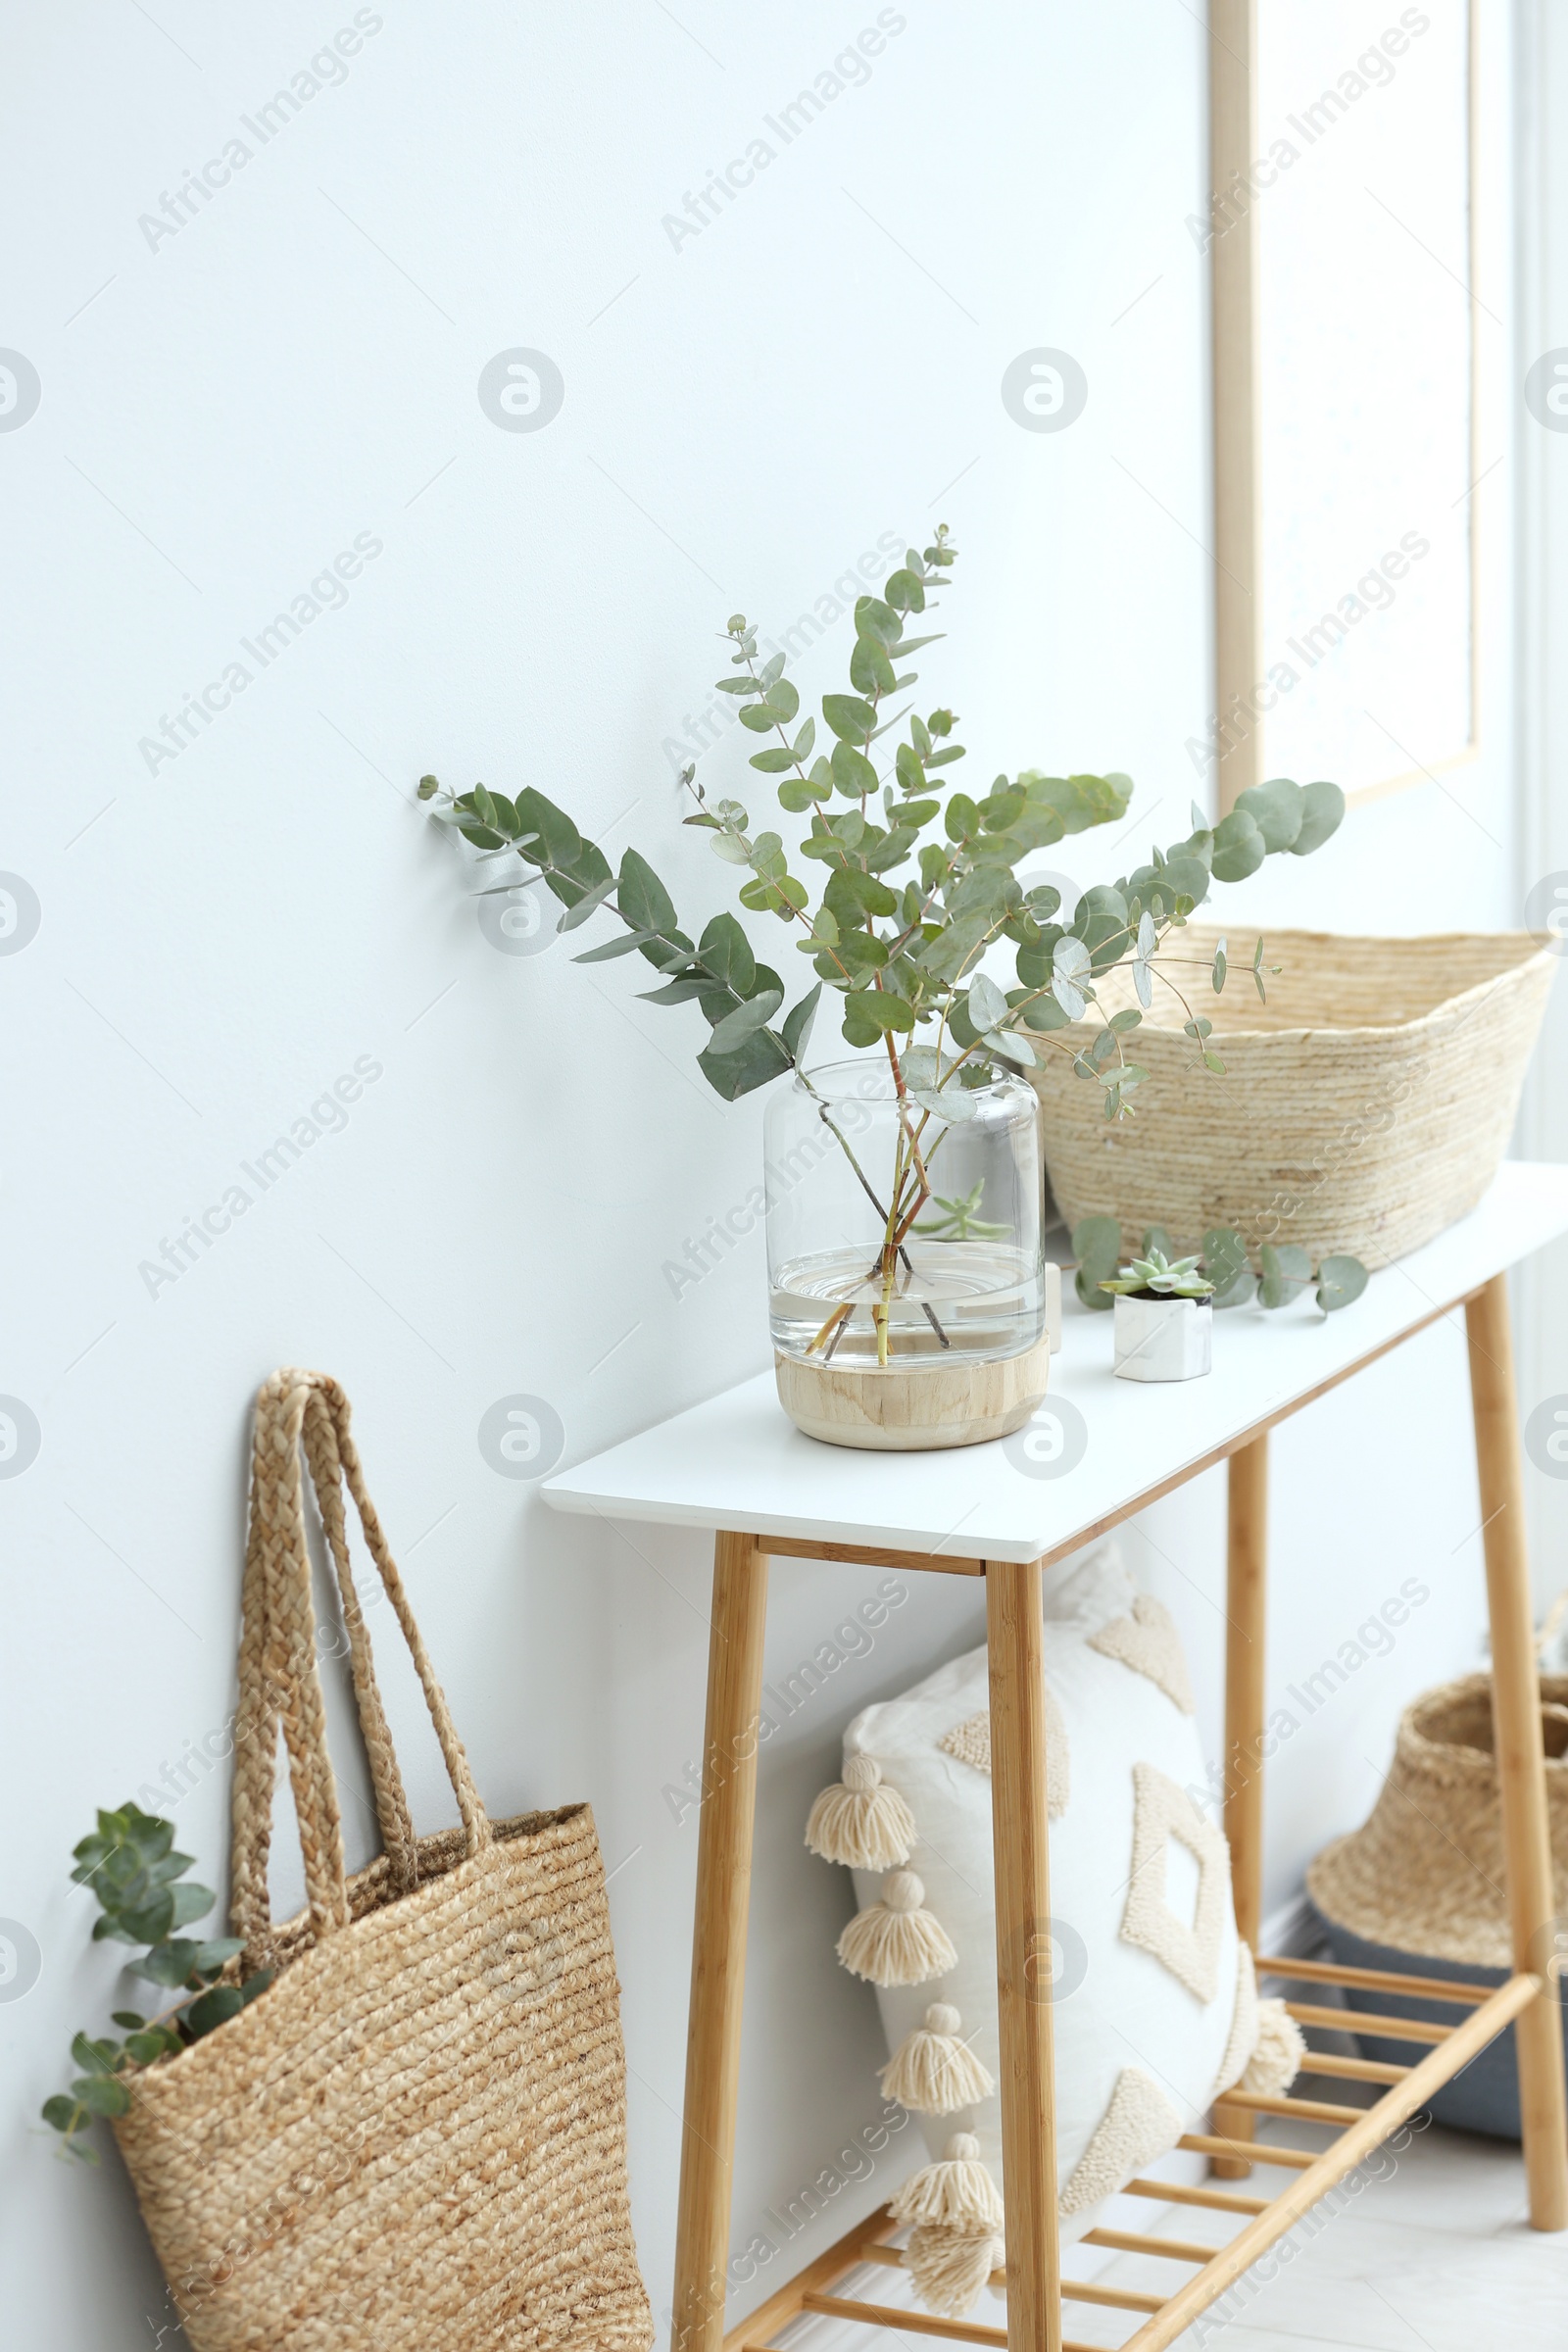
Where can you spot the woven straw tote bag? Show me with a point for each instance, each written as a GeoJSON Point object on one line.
{"type": "Point", "coordinates": [417, 2137]}
{"type": "Point", "coordinates": [1364, 1108]}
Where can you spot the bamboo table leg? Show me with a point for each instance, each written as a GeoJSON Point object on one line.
{"type": "Point", "coordinates": [1013, 1633]}
{"type": "Point", "coordinates": [1521, 1770]}
{"type": "Point", "coordinates": [1246, 1580]}
{"type": "Point", "coordinates": [718, 1942]}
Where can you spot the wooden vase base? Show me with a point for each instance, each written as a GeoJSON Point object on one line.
{"type": "Point", "coordinates": [889, 1410]}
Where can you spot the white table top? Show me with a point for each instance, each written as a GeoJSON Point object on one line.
{"type": "Point", "coordinates": [738, 1462]}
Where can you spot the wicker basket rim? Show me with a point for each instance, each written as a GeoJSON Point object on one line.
{"type": "Point", "coordinates": [1370, 1032]}
{"type": "Point", "coordinates": [434, 1850]}
{"type": "Point", "coordinates": [1420, 1746]}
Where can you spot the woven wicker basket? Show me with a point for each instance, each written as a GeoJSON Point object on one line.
{"type": "Point", "coordinates": [1426, 1872]}
{"type": "Point", "coordinates": [1420, 1887]}
{"type": "Point", "coordinates": [1364, 1108]}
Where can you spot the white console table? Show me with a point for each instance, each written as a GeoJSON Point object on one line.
{"type": "Point", "coordinates": [736, 1465]}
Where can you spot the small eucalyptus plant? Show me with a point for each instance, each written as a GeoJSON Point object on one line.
{"type": "Point", "coordinates": [143, 1896]}
{"type": "Point", "coordinates": [918, 883]}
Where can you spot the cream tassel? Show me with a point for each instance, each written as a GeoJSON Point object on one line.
{"type": "Point", "coordinates": [958, 2193]}
{"type": "Point", "coordinates": [1277, 2053]}
{"type": "Point", "coordinates": [933, 2073]}
{"type": "Point", "coordinates": [950, 2267]}
{"type": "Point", "coordinates": [896, 1941]}
{"type": "Point", "coordinates": [860, 1822]}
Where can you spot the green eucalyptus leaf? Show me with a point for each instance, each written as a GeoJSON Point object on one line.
{"type": "Point", "coordinates": [1322, 810]}
{"type": "Point", "coordinates": [150, 1922]}
{"type": "Point", "coordinates": [988, 1007]}
{"type": "Point", "coordinates": [728, 953]}
{"type": "Point", "coordinates": [190, 1902]}
{"type": "Point", "coordinates": [1239, 847]}
{"type": "Point", "coordinates": [1277, 809]}
{"type": "Point", "coordinates": [870, 670]}
{"type": "Point", "coordinates": [103, 2094]}
{"type": "Point", "coordinates": [1341, 1280]}
{"type": "Point", "coordinates": [558, 843]}
{"type": "Point", "coordinates": [797, 1025]}
{"type": "Point", "coordinates": [852, 773]}
{"type": "Point", "coordinates": [168, 1963]}
{"type": "Point", "coordinates": [641, 895]}
{"type": "Point", "coordinates": [851, 719]}
{"type": "Point", "coordinates": [1286, 1270]}
{"type": "Point", "coordinates": [215, 2008]}
{"type": "Point", "coordinates": [874, 619]}
{"type": "Point", "coordinates": [217, 1954]}
{"type": "Point", "coordinates": [761, 1058]}
{"type": "Point", "coordinates": [586, 904]}
{"type": "Point", "coordinates": [1096, 1246]}
{"type": "Point", "coordinates": [731, 1033]}
{"type": "Point", "coordinates": [1224, 1256]}
{"type": "Point", "coordinates": [951, 1104]}
{"type": "Point", "coordinates": [878, 1009]}
{"type": "Point", "coordinates": [627, 944]}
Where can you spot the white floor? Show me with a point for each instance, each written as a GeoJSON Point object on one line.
{"type": "Point", "coordinates": [1430, 2253]}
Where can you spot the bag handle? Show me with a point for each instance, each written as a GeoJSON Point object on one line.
{"type": "Point", "coordinates": [280, 1680]}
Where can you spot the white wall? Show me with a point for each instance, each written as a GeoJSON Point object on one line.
{"type": "Point", "coordinates": [224, 932]}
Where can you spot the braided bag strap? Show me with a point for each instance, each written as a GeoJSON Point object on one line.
{"type": "Point", "coordinates": [323, 1454]}
{"type": "Point", "coordinates": [280, 1679]}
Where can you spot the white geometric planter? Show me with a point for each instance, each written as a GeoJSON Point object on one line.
{"type": "Point", "coordinates": [1163, 1338]}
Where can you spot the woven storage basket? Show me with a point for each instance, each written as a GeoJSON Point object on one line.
{"type": "Point", "coordinates": [417, 2137]}
{"type": "Point", "coordinates": [1363, 1108]}
{"type": "Point", "coordinates": [1420, 1887]}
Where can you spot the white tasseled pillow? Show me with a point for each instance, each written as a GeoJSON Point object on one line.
{"type": "Point", "coordinates": [1149, 1959]}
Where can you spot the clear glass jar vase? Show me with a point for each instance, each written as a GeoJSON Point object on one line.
{"type": "Point", "coordinates": [898, 1238]}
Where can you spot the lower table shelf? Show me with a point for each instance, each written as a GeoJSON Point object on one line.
{"type": "Point", "coordinates": [1357, 2131]}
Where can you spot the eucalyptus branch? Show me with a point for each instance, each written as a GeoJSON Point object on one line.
{"type": "Point", "coordinates": [920, 887]}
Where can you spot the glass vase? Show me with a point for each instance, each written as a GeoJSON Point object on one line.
{"type": "Point", "coordinates": [901, 1238]}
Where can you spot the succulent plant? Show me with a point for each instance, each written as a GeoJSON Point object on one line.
{"type": "Point", "coordinates": [1160, 1277]}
